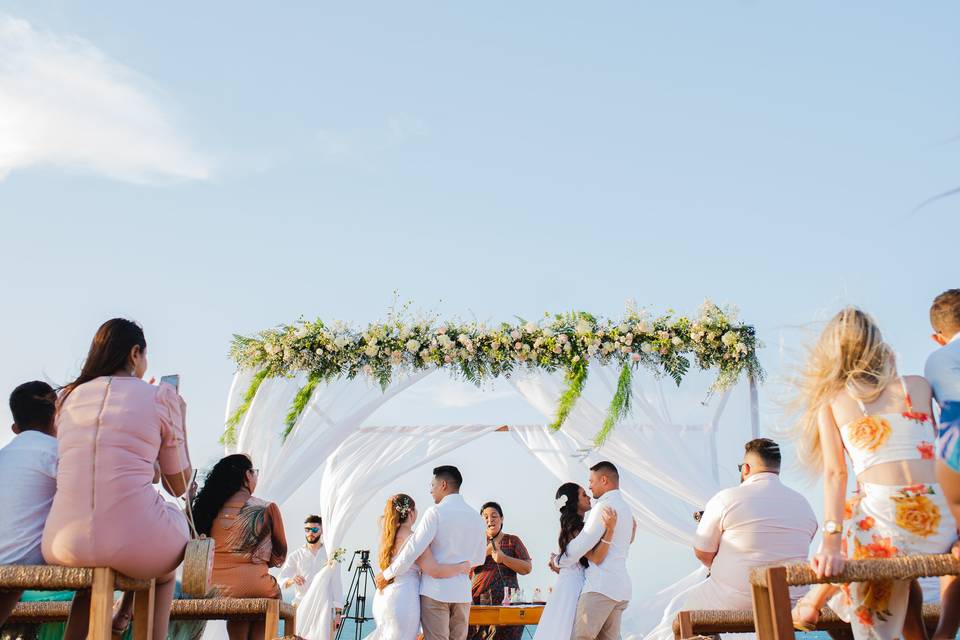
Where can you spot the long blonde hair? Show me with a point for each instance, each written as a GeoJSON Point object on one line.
{"type": "Point", "coordinates": [851, 356]}
{"type": "Point", "coordinates": [395, 513]}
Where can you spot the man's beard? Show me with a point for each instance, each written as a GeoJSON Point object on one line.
{"type": "Point", "coordinates": [313, 539]}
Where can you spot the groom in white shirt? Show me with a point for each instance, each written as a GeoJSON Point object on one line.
{"type": "Point", "coordinates": [456, 533]}
{"type": "Point", "coordinates": [606, 591]}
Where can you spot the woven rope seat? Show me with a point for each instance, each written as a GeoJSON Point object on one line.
{"type": "Point", "coordinates": [905, 568]}
{"type": "Point", "coordinates": [205, 609]}
{"type": "Point", "coordinates": [55, 578]}
{"type": "Point", "coordinates": [232, 608]}
{"type": "Point", "coordinates": [708, 621]}
{"type": "Point", "coordinates": [40, 611]}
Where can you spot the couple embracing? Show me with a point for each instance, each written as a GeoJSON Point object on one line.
{"type": "Point", "coordinates": [425, 580]}
{"type": "Point", "coordinates": [593, 587]}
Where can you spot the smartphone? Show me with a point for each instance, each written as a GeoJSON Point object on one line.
{"type": "Point", "coordinates": [172, 380]}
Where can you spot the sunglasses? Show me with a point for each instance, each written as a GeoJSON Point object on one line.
{"type": "Point", "coordinates": [311, 529]}
{"type": "Point", "coordinates": [741, 466]}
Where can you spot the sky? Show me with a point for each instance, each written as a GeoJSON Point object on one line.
{"type": "Point", "coordinates": [221, 168]}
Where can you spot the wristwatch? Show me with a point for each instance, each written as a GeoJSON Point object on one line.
{"type": "Point", "coordinates": [832, 527]}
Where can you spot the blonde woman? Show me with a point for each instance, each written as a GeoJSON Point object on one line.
{"type": "Point", "coordinates": [396, 609]}
{"type": "Point", "coordinates": [854, 404]}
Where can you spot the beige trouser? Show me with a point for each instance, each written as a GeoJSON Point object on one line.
{"type": "Point", "coordinates": [444, 620]}
{"type": "Point", "coordinates": [598, 617]}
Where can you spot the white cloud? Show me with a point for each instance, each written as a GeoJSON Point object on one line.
{"type": "Point", "coordinates": [64, 103]}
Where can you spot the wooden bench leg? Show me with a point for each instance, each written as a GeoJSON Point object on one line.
{"type": "Point", "coordinates": [762, 618]}
{"type": "Point", "coordinates": [780, 609]}
{"type": "Point", "coordinates": [685, 626]}
{"type": "Point", "coordinates": [143, 602]}
{"type": "Point", "coordinates": [273, 620]}
{"type": "Point", "coordinates": [101, 604]}
{"type": "Point", "coordinates": [290, 625]}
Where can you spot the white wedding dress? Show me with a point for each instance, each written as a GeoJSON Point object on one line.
{"type": "Point", "coordinates": [557, 619]}
{"type": "Point", "coordinates": [396, 609]}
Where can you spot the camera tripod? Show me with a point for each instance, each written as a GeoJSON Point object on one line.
{"type": "Point", "coordinates": [357, 594]}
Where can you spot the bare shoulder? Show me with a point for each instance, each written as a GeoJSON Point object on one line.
{"type": "Point", "coordinates": [918, 387]}
{"type": "Point", "coordinates": [401, 538]}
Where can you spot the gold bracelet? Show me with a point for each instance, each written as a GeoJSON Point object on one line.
{"type": "Point", "coordinates": [605, 541]}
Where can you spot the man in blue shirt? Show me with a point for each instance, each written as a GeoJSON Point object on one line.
{"type": "Point", "coordinates": [943, 373]}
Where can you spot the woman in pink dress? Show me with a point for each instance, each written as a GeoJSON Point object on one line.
{"type": "Point", "coordinates": [113, 430]}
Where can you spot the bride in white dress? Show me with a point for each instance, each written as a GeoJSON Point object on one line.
{"type": "Point", "coordinates": [557, 619]}
{"type": "Point", "coordinates": [396, 609]}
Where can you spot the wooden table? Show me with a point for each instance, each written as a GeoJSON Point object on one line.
{"type": "Point", "coordinates": [518, 615]}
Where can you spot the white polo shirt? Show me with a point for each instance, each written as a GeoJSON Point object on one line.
{"type": "Point", "coordinates": [28, 477]}
{"type": "Point", "coordinates": [758, 523]}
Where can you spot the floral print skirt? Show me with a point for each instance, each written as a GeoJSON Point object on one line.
{"type": "Point", "coordinates": [884, 521]}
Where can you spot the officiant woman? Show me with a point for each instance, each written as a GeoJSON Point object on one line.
{"type": "Point", "coordinates": [506, 558]}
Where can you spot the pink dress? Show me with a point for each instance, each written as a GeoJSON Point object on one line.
{"type": "Point", "coordinates": [106, 511]}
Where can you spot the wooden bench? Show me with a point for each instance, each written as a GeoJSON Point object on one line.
{"type": "Point", "coordinates": [269, 610]}
{"type": "Point", "coordinates": [713, 621]}
{"type": "Point", "coordinates": [771, 594]}
{"type": "Point", "coordinates": [101, 582]}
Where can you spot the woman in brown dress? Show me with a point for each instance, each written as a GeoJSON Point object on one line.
{"type": "Point", "coordinates": [248, 534]}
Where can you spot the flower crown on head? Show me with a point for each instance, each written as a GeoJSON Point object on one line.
{"type": "Point", "coordinates": [561, 502]}
{"type": "Point", "coordinates": [402, 506]}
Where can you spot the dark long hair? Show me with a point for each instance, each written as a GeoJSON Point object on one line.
{"type": "Point", "coordinates": [571, 522]}
{"type": "Point", "coordinates": [226, 478]}
{"type": "Point", "coordinates": [109, 352]}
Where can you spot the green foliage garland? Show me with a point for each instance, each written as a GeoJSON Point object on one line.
{"type": "Point", "coordinates": [300, 403]}
{"type": "Point", "coordinates": [476, 352]}
{"type": "Point", "coordinates": [576, 379]}
{"type": "Point", "coordinates": [230, 434]}
{"type": "Point", "coordinates": [619, 404]}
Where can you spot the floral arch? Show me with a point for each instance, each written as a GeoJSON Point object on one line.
{"type": "Point", "coordinates": [301, 401]}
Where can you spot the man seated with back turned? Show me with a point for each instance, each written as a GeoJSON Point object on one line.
{"type": "Point", "coordinates": [760, 522]}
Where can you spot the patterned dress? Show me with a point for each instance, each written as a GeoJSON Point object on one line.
{"type": "Point", "coordinates": [883, 521]}
{"type": "Point", "coordinates": [249, 540]}
{"type": "Point", "coordinates": [489, 581]}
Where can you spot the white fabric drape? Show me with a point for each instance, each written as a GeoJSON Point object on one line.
{"type": "Point", "coordinates": [567, 461]}
{"type": "Point", "coordinates": [561, 455]}
{"type": "Point", "coordinates": [668, 465]}
{"type": "Point", "coordinates": [660, 461]}
{"type": "Point", "coordinates": [676, 458]}
{"type": "Point", "coordinates": [366, 462]}
{"type": "Point", "coordinates": [334, 411]}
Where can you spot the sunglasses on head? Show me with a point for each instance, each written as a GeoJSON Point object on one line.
{"type": "Point", "coordinates": [312, 529]}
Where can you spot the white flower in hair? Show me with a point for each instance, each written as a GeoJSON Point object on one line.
{"type": "Point", "coordinates": [560, 502]}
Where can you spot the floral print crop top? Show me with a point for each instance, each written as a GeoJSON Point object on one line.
{"type": "Point", "coordinates": [888, 437]}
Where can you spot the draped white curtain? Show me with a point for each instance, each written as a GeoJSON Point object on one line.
{"type": "Point", "coordinates": [667, 469]}
{"type": "Point", "coordinates": [366, 462]}
{"type": "Point", "coordinates": [568, 461]}
{"type": "Point", "coordinates": [676, 458]}
{"type": "Point", "coordinates": [668, 464]}
{"type": "Point", "coordinates": [561, 455]}
{"type": "Point", "coordinates": [334, 411]}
